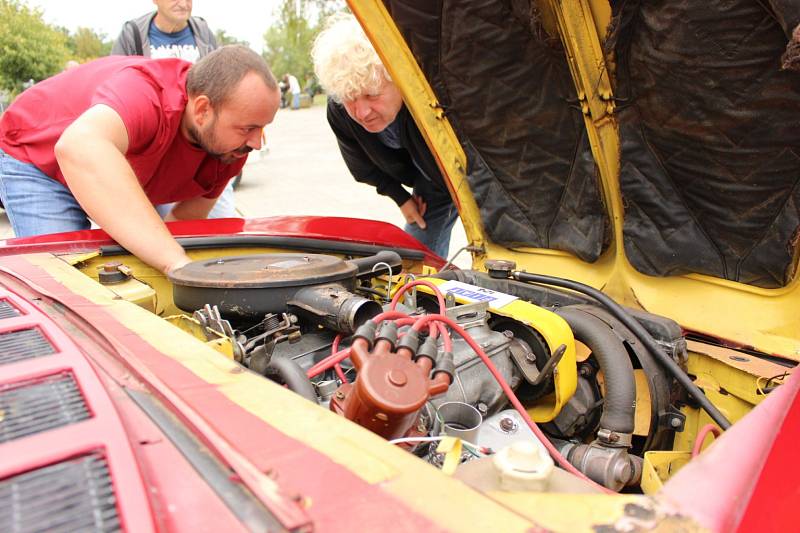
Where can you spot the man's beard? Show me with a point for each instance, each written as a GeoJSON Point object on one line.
{"type": "Point", "coordinates": [206, 140]}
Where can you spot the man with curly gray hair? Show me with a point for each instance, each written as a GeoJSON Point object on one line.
{"type": "Point", "coordinates": [379, 141]}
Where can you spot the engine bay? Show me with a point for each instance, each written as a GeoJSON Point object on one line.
{"type": "Point", "coordinates": [503, 381]}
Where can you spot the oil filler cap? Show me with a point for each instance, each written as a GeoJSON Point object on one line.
{"type": "Point", "coordinates": [524, 466]}
{"type": "Point", "coordinates": [500, 268]}
{"type": "Point", "coordinates": [113, 272]}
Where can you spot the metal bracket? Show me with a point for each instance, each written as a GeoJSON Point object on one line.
{"type": "Point", "coordinates": [672, 419]}
{"type": "Point", "coordinates": [211, 321]}
{"type": "Point", "coordinates": [550, 365]}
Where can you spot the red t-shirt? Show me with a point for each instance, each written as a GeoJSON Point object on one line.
{"type": "Point", "coordinates": [149, 95]}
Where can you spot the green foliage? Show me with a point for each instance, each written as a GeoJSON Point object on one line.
{"type": "Point", "coordinates": [86, 45]}
{"type": "Point", "coordinates": [29, 48]}
{"type": "Point", "coordinates": [223, 38]}
{"type": "Point", "coordinates": [288, 42]}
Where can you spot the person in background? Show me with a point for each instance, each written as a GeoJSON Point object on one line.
{"type": "Point", "coordinates": [284, 87]}
{"type": "Point", "coordinates": [172, 31]}
{"type": "Point", "coordinates": [294, 89]}
{"type": "Point", "coordinates": [377, 136]}
{"type": "Point", "coordinates": [110, 138]}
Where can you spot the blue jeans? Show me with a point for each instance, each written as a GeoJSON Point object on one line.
{"type": "Point", "coordinates": [35, 203]}
{"type": "Point", "coordinates": [295, 100]}
{"type": "Point", "coordinates": [439, 220]}
{"type": "Point", "coordinates": [224, 208]}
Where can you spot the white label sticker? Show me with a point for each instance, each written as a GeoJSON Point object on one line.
{"type": "Point", "coordinates": [471, 293]}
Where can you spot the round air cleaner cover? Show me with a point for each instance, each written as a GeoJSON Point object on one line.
{"type": "Point", "coordinates": [250, 286]}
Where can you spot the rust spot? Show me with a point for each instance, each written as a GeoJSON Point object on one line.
{"type": "Point", "coordinates": [634, 510]}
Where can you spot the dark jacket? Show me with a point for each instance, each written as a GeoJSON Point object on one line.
{"type": "Point", "coordinates": [126, 43]}
{"type": "Point", "coordinates": [387, 169]}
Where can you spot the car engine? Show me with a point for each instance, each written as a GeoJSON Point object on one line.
{"type": "Point", "coordinates": [422, 361]}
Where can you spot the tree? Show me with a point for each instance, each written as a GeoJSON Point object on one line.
{"type": "Point", "coordinates": [288, 42]}
{"type": "Point", "coordinates": [29, 48]}
{"type": "Point", "coordinates": [86, 45]}
{"type": "Point", "coordinates": [223, 38]}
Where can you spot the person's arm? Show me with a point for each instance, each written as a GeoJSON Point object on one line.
{"type": "Point", "coordinates": [91, 155]}
{"type": "Point", "coordinates": [191, 209]}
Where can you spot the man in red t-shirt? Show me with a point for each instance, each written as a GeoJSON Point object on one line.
{"type": "Point", "coordinates": [107, 140]}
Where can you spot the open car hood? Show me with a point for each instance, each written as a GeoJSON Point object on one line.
{"type": "Point", "coordinates": [647, 150]}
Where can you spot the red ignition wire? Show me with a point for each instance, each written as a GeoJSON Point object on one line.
{"type": "Point", "coordinates": [416, 283]}
{"type": "Point", "coordinates": [701, 437]}
{"type": "Point", "coordinates": [402, 319]}
{"type": "Point", "coordinates": [389, 315]}
{"type": "Point", "coordinates": [560, 459]}
{"type": "Point", "coordinates": [337, 367]}
{"type": "Point", "coordinates": [338, 356]}
{"type": "Point", "coordinates": [448, 342]}
{"type": "Point", "coordinates": [328, 362]}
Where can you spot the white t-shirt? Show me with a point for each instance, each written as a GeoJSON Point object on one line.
{"type": "Point", "coordinates": [294, 86]}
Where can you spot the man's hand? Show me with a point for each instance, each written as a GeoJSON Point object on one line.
{"type": "Point", "coordinates": [421, 205]}
{"type": "Point", "coordinates": [177, 264]}
{"type": "Point", "coordinates": [413, 210]}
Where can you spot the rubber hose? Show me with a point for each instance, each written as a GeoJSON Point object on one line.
{"type": "Point", "coordinates": [638, 330]}
{"type": "Point", "coordinates": [608, 349]}
{"type": "Point", "coordinates": [286, 371]}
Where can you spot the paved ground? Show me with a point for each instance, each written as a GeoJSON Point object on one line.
{"type": "Point", "coordinates": [300, 172]}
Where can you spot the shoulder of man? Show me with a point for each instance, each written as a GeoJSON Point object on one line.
{"type": "Point", "coordinates": [202, 34]}
{"type": "Point", "coordinates": [143, 22]}
{"type": "Point", "coordinates": [134, 33]}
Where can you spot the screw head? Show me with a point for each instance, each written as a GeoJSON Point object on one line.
{"type": "Point", "coordinates": [508, 424]}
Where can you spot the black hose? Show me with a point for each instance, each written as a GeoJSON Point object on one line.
{"type": "Point", "coordinates": [376, 265]}
{"type": "Point", "coordinates": [272, 241]}
{"type": "Point", "coordinates": [607, 348]}
{"type": "Point", "coordinates": [637, 329]}
{"type": "Point", "coordinates": [287, 372]}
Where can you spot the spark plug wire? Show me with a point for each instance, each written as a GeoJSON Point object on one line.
{"type": "Point", "coordinates": [557, 457]}
{"type": "Point", "coordinates": [701, 437]}
{"type": "Point", "coordinates": [337, 367]}
{"type": "Point", "coordinates": [419, 283]}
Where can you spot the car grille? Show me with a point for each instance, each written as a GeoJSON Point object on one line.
{"type": "Point", "coordinates": [23, 344]}
{"type": "Point", "coordinates": [34, 406]}
{"type": "Point", "coordinates": [7, 310]}
{"type": "Point", "coordinates": [74, 495]}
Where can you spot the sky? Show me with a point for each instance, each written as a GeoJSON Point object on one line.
{"type": "Point", "coordinates": [242, 19]}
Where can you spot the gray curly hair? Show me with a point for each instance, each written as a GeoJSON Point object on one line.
{"type": "Point", "coordinates": [345, 62]}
